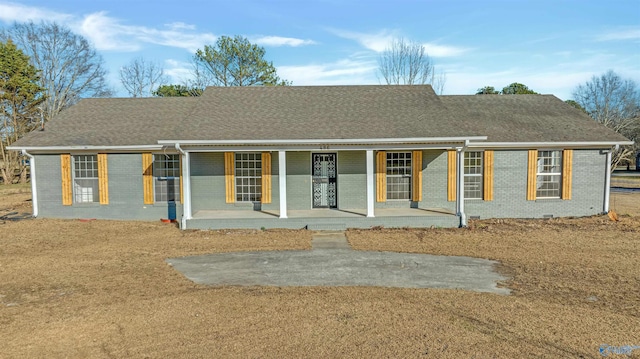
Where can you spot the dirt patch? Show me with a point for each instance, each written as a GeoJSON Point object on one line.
{"type": "Point", "coordinates": [101, 289]}
{"type": "Point", "coordinates": [15, 201]}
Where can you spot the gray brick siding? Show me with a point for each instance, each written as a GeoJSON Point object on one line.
{"type": "Point", "coordinates": [510, 189]}
{"type": "Point", "coordinates": [125, 192]}
{"type": "Point", "coordinates": [352, 179]}
{"type": "Point", "coordinates": [208, 188]}
{"type": "Point", "coordinates": [299, 180]}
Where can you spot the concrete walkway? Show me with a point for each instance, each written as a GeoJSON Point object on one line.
{"type": "Point", "coordinates": [332, 262]}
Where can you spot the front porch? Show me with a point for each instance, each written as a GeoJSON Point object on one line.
{"type": "Point", "coordinates": [323, 219]}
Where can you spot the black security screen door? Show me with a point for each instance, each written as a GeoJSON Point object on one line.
{"type": "Point", "coordinates": [325, 184]}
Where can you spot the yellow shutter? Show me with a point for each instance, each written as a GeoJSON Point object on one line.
{"type": "Point", "coordinates": [381, 176]}
{"type": "Point", "coordinates": [229, 177]}
{"type": "Point", "coordinates": [65, 170]}
{"type": "Point", "coordinates": [181, 190]}
{"type": "Point", "coordinates": [416, 176]}
{"type": "Point", "coordinates": [103, 178]}
{"type": "Point", "coordinates": [147, 178]}
{"type": "Point", "coordinates": [451, 175]}
{"type": "Point", "coordinates": [488, 175]}
{"type": "Point", "coordinates": [531, 175]}
{"type": "Point", "coordinates": [266, 177]}
{"type": "Point", "coordinates": [567, 164]}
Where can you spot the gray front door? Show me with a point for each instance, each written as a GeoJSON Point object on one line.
{"type": "Point", "coordinates": [325, 180]}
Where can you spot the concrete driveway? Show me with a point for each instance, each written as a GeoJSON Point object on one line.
{"type": "Point", "coordinates": [332, 262]}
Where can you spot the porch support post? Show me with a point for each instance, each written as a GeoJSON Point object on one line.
{"type": "Point", "coordinates": [460, 187]}
{"type": "Point", "coordinates": [607, 183]}
{"type": "Point", "coordinates": [370, 185]}
{"type": "Point", "coordinates": [282, 180]}
{"type": "Point", "coordinates": [186, 176]}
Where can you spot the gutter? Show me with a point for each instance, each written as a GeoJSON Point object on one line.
{"type": "Point", "coordinates": [186, 201]}
{"type": "Point", "coordinates": [34, 192]}
{"type": "Point", "coordinates": [59, 149]}
{"type": "Point", "coordinates": [581, 144]}
{"type": "Point", "coordinates": [324, 141]}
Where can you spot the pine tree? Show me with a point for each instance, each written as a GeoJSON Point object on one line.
{"type": "Point", "coordinates": [20, 96]}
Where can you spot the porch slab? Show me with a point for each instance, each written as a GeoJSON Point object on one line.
{"type": "Point", "coordinates": [321, 213]}
{"type": "Point", "coordinates": [323, 219]}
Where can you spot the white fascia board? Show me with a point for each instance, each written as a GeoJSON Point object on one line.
{"type": "Point", "coordinates": [322, 148]}
{"type": "Point", "coordinates": [346, 141]}
{"type": "Point", "coordinates": [520, 145]}
{"type": "Point", "coordinates": [60, 149]}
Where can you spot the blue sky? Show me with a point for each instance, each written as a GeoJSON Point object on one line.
{"type": "Point", "coordinates": [549, 45]}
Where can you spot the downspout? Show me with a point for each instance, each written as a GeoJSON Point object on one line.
{"type": "Point", "coordinates": [607, 180]}
{"type": "Point", "coordinates": [34, 192]}
{"type": "Point", "coordinates": [186, 176]}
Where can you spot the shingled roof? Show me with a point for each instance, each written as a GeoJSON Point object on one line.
{"type": "Point", "coordinates": [113, 122]}
{"type": "Point", "coordinates": [528, 118]}
{"type": "Point", "coordinates": [317, 112]}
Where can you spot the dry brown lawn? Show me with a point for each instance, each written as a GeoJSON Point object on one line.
{"type": "Point", "coordinates": [102, 289]}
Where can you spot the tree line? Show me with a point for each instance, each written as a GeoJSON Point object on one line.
{"type": "Point", "coordinates": [46, 67]}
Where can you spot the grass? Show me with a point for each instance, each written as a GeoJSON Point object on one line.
{"type": "Point", "coordinates": [15, 188]}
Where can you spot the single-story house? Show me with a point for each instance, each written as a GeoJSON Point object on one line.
{"type": "Point", "coordinates": [321, 157]}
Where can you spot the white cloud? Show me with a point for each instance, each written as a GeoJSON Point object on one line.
{"type": "Point", "coordinates": [434, 50]}
{"type": "Point", "coordinates": [381, 40]}
{"type": "Point", "coordinates": [178, 71]}
{"type": "Point", "coordinates": [180, 26]}
{"type": "Point", "coordinates": [10, 12]}
{"type": "Point", "coordinates": [377, 42]}
{"type": "Point", "coordinates": [108, 33]}
{"type": "Point", "coordinates": [281, 41]}
{"type": "Point", "coordinates": [105, 33]}
{"type": "Point", "coordinates": [343, 72]}
{"type": "Point", "coordinates": [632, 33]}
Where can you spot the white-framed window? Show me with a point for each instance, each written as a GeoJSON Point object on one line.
{"type": "Point", "coordinates": [248, 175]}
{"type": "Point", "coordinates": [166, 177]}
{"type": "Point", "coordinates": [473, 181]}
{"type": "Point", "coordinates": [398, 175]}
{"type": "Point", "coordinates": [549, 174]}
{"type": "Point", "coordinates": [85, 179]}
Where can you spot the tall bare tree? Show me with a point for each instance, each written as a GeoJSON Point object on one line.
{"type": "Point", "coordinates": [20, 96]}
{"type": "Point", "coordinates": [141, 78]}
{"type": "Point", "coordinates": [407, 63]}
{"type": "Point", "coordinates": [615, 103]}
{"type": "Point", "coordinates": [70, 68]}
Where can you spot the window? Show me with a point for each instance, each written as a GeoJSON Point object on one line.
{"type": "Point", "coordinates": [85, 179]}
{"type": "Point", "coordinates": [399, 175]}
{"type": "Point", "coordinates": [549, 174]}
{"type": "Point", "coordinates": [166, 176]}
{"type": "Point", "coordinates": [248, 175]}
{"type": "Point", "coordinates": [473, 175]}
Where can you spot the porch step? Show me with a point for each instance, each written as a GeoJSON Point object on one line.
{"type": "Point", "coordinates": [327, 226]}
{"type": "Point", "coordinates": [329, 240]}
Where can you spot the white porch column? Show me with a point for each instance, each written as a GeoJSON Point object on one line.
{"type": "Point", "coordinates": [282, 179]}
{"type": "Point", "coordinates": [32, 176]}
{"type": "Point", "coordinates": [186, 187]}
{"type": "Point", "coordinates": [607, 183]}
{"type": "Point", "coordinates": [460, 187]}
{"type": "Point", "coordinates": [370, 185]}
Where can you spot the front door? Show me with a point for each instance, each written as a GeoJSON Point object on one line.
{"type": "Point", "coordinates": [325, 184]}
